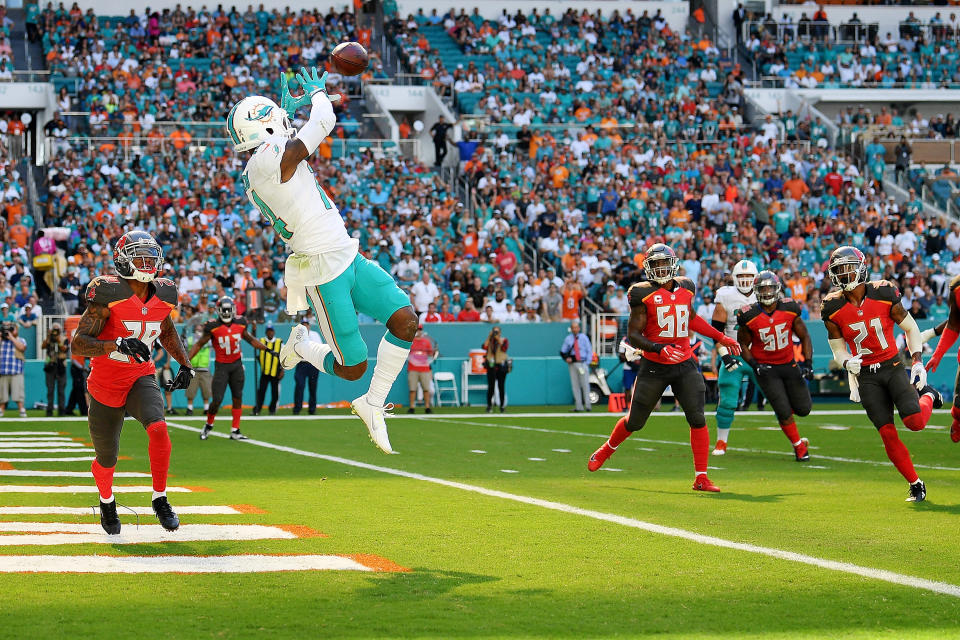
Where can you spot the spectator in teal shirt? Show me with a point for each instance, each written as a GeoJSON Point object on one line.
{"type": "Point", "coordinates": [483, 269]}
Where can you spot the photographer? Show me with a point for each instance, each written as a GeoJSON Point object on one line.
{"type": "Point", "coordinates": [12, 350]}
{"type": "Point", "coordinates": [55, 368]}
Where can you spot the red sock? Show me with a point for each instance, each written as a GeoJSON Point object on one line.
{"type": "Point", "coordinates": [159, 450]}
{"type": "Point", "coordinates": [790, 430]}
{"type": "Point", "coordinates": [955, 413]}
{"type": "Point", "coordinates": [700, 443]}
{"type": "Point", "coordinates": [897, 452]}
{"type": "Point", "coordinates": [104, 479]}
{"type": "Point", "coordinates": [236, 418]}
{"type": "Point", "coordinates": [619, 433]}
{"type": "Point", "coordinates": [211, 416]}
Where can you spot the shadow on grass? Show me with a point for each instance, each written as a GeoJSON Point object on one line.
{"type": "Point", "coordinates": [926, 505]}
{"type": "Point", "coordinates": [422, 582]}
{"type": "Point", "coordinates": [723, 495]}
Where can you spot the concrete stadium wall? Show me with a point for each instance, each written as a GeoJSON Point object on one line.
{"type": "Point", "coordinates": [539, 375]}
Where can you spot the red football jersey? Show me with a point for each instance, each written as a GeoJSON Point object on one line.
{"type": "Point", "coordinates": [668, 314]}
{"type": "Point", "coordinates": [771, 334]}
{"type": "Point", "coordinates": [868, 328]}
{"type": "Point", "coordinates": [226, 338]}
{"type": "Point", "coordinates": [111, 376]}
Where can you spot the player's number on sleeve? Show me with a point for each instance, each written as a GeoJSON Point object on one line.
{"type": "Point", "coordinates": [146, 332]}
{"type": "Point", "coordinates": [673, 320]}
{"type": "Point", "coordinates": [775, 338]}
{"type": "Point", "coordinates": [863, 330]}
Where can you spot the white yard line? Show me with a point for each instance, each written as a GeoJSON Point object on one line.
{"type": "Point", "coordinates": [208, 510]}
{"type": "Point", "coordinates": [56, 488]}
{"type": "Point", "coordinates": [635, 438]}
{"type": "Point", "coordinates": [70, 533]}
{"type": "Point", "coordinates": [177, 564]}
{"type": "Point", "coordinates": [38, 444]}
{"type": "Point", "coordinates": [29, 433]}
{"type": "Point", "coordinates": [845, 567]}
{"type": "Point", "coordinates": [37, 439]}
{"type": "Point", "coordinates": [42, 459]}
{"type": "Point", "coordinates": [79, 449]}
{"type": "Point", "coordinates": [23, 473]}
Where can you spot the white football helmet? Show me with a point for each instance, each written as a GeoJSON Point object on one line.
{"type": "Point", "coordinates": [744, 273]}
{"type": "Point", "coordinates": [254, 119]}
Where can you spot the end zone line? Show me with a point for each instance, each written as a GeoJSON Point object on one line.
{"type": "Point", "coordinates": [516, 427]}
{"type": "Point", "coordinates": [844, 567]}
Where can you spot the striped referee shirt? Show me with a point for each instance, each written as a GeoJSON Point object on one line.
{"type": "Point", "coordinates": [270, 360]}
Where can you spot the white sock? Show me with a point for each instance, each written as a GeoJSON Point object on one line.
{"type": "Point", "coordinates": [797, 443]}
{"type": "Point", "coordinates": [159, 494]}
{"type": "Point", "coordinates": [189, 406]}
{"type": "Point", "coordinates": [314, 353]}
{"type": "Point", "coordinates": [723, 434]}
{"type": "Point", "coordinates": [107, 500]}
{"type": "Point", "coordinates": [390, 361]}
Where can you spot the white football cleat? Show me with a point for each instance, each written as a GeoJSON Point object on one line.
{"type": "Point", "coordinates": [288, 352]}
{"type": "Point", "coordinates": [373, 417]}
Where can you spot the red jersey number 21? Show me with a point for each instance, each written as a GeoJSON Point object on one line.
{"type": "Point", "coordinates": [673, 320]}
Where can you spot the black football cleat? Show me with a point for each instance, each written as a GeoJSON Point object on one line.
{"type": "Point", "coordinates": [165, 514]}
{"type": "Point", "coordinates": [188, 412]}
{"type": "Point", "coordinates": [108, 517]}
{"type": "Point", "coordinates": [236, 435]}
{"type": "Point", "coordinates": [206, 432]}
{"type": "Point", "coordinates": [937, 398]}
{"type": "Point", "coordinates": [918, 492]}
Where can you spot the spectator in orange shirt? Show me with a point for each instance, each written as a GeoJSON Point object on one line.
{"type": "Point", "coordinates": [572, 294]}
{"type": "Point", "coordinates": [559, 174]}
{"type": "Point", "coordinates": [795, 188]}
{"type": "Point", "coordinates": [798, 286]}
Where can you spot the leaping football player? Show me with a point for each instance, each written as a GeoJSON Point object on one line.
{"type": "Point", "coordinates": [325, 269]}
{"type": "Point", "coordinates": [948, 331]}
{"type": "Point", "coordinates": [730, 299]}
{"type": "Point", "coordinates": [765, 332]}
{"type": "Point", "coordinates": [124, 316]}
{"type": "Point", "coordinates": [226, 332]}
{"type": "Point", "coordinates": [661, 319]}
{"type": "Point", "coordinates": [859, 319]}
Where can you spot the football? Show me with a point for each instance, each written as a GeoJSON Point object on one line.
{"type": "Point", "coordinates": [350, 58]}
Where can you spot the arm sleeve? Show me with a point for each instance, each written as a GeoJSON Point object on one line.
{"type": "Point", "coordinates": [840, 352]}
{"type": "Point", "coordinates": [700, 325]}
{"type": "Point", "coordinates": [321, 122]}
{"type": "Point", "coordinates": [912, 331]}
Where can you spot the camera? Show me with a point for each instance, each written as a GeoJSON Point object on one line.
{"type": "Point", "coordinates": [5, 329]}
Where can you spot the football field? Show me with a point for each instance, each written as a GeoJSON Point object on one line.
{"type": "Point", "coordinates": [483, 526]}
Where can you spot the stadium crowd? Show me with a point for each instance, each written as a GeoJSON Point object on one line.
{"type": "Point", "coordinates": [622, 156]}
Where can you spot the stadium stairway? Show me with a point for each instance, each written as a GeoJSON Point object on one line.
{"type": "Point", "coordinates": [27, 56]}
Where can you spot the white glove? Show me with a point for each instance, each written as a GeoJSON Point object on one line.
{"type": "Point", "coordinates": [853, 365]}
{"type": "Point", "coordinates": [629, 352]}
{"type": "Point", "coordinates": [918, 376]}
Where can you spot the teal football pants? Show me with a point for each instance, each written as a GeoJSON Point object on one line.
{"type": "Point", "coordinates": [728, 386]}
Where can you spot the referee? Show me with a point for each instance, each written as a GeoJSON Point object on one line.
{"type": "Point", "coordinates": [270, 371]}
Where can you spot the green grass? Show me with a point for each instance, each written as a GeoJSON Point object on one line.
{"type": "Point", "coordinates": [488, 567]}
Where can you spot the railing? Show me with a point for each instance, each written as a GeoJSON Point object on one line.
{"type": "Point", "coordinates": [778, 82]}
{"type": "Point", "coordinates": [607, 330]}
{"type": "Point", "coordinates": [849, 33]}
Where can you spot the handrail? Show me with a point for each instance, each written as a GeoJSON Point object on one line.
{"type": "Point", "coordinates": [779, 81]}
{"type": "Point", "coordinates": [814, 29]}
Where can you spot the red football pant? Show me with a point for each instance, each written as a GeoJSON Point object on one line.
{"type": "Point", "coordinates": [159, 450]}
{"type": "Point", "coordinates": [898, 453]}
{"type": "Point", "coordinates": [103, 476]}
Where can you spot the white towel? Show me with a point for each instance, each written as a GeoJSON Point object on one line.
{"type": "Point", "coordinates": [854, 383]}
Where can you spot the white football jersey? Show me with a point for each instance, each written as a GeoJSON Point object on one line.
{"type": "Point", "coordinates": [732, 300]}
{"type": "Point", "coordinates": [299, 209]}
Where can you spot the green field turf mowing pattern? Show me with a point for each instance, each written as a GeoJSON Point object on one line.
{"type": "Point", "coordinates": [488, 565]}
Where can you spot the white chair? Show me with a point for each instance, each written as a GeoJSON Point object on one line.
{"type": "Point", "coordinates": [445, 381]}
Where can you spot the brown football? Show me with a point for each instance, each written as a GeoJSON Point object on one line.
{"type": "Point", "coordinates": [350, 58]}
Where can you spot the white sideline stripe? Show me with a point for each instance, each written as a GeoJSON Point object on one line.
{"type": "Point", "coordinates": [516, 427]}
{"type": "Point", "coordinates": [131, 534]}
{"type": "Point", "coordinates": [36, 444]}
{"type": "Point", "coordinates": [29, 433]}
{"type": "Point", "coordinates": [78, 488]}
{"type": "Point", "coordinates": [845, 567]}
{"type": "Point", "coordinates": [37, 439]}
{"type": "Point", "coordinates": [201, 510]}
{"type": "Point", "coordinates": [176, 564]}
{"type": "Point", "coordinates": [67, 474]}
{"type": "Point", "coordinates": [29, 459]}
{"type": "Point", "coordinates": [80, 449]}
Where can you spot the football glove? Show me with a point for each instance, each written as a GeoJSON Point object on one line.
{"type": "Point", "coordinates": [806, 370]}
{"type": "Point", "coordinates": [853, 365]}
{"type": "Point", "coordinates": [764, 369]}
{"type": "Point", "coordinates": [135, 348]}
{"type": "Point", "coordinates": [673, 354]}
{"type": "Point", "coordinates": [313, 84]}
{"type": "Point", "coordinates": [731, 344]}
{"type": "Point", "coordinates": [287, 102]}
{"type": "Point", "coordinates": [629, 352]}
{"type": "Point", "coordinates": [918, 375]}
{"type": "Point", "coordinates": [729, 362]}
{"type": "Point", "coordinates": [182, 379]}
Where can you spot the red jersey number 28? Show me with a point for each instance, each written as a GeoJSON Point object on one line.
{"type": "Point", "coordinates": [146, 332]}
{"type": "Point", "coordinates": [673, 320]}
